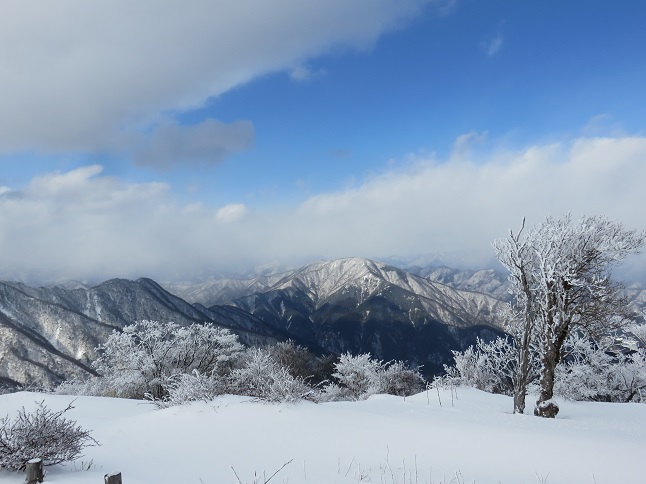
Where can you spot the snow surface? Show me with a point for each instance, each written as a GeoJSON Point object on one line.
{"type": "Point", "coordinates": [470, 437]}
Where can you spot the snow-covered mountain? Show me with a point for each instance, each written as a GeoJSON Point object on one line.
{"type": "Point", "coordinates": [636, 293]}
{"type": "Point", "coordinates": [224, 288]}
{"type": "Point", "coordinates": [359, 305]}
{"type": "Point", "coordinates": [48, 334]}
{"type": "Point", "coordinates": [496, 284]}
{"type": "Point", "coordinates": [487, 281]}
{"type": "Point", "coordinates": [358, 281]}
{"type": "Point", "coordinates": [221, 291]}
{"type": "Point", "coordinates": [419, 314]}
{"type": "Point", "coordinates": [356, 305]}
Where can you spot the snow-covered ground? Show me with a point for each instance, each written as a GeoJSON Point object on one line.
{"type": "Point", "coordinates": [386, 439]}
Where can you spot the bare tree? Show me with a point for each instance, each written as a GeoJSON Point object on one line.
{"type": "Point", "coordinates": [561, 280]}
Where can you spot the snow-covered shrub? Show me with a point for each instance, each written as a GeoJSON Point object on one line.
{"type": "Point", "coordinates": [299, 361]}
{"type": "Point", "coordinates": [601, 373]}
{"type": "Point", "coordinates": [467, 370]}
{"type": "Point", "coordinates": [589, 371]}
{"type": "Point", "coordinates": [145, 356]}
{"type": "Point", "coordinates": [397, 379]}
{"type": "Point", "coordinates": [332, 392]}
{"type": "Point", "coordinates": [629, 377]}
{"type": "Point", "coordinates": [360, 376]}
{"type": "Point", "coordinates": [191, 387]}
{"type": "Point", "coordinates": [488, 366]}
{"type": "Point", "coordinates": [92, 386]}
{"type": "Point", "coordinates": [262, 377]}
{"type": "Point", "coordinates": [42, 434]}
{"type": "Point", "coordinates": [583, 375]}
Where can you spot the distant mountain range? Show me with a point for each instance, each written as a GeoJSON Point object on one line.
{"type": "Point", "coordinates": [48, 334]}
{"type": "Point", "coordinates": [224, 290]}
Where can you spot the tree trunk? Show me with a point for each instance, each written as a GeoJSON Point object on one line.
{"type": "Point", "coordinates": [34, 470]}
{"type": "Point", "coordinates": [520, 385]}
{"type": "Point", "coordinates": [520, 392]}
{"type": "Point", "coordinates": [545, 407]}
{"type": "Point", "coordinates": [523, 342]}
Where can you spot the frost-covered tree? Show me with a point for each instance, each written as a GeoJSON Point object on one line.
{"type": "Point", "coordinates": [515, 253]}
{"type": "Point", "coordinates": [605, 371]}
{"type": "Point", "coordinates": [489, 366]}
{"type": "Point", "coordinates": [145, 356]}
{"type": "Point", "coordinates": [560, 274]}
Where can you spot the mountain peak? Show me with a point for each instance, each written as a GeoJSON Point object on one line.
{"type": "Point", "coordinates": [321, 279]}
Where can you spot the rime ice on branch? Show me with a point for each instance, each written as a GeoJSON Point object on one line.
{"type": "Point", "coordinates": [560, 274]}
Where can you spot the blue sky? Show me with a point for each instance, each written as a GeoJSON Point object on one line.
{"type": "Point", "coordinates": [285, 130]}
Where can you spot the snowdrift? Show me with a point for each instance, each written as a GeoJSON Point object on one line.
{"type": "Point", "coordinates": [463, 436]}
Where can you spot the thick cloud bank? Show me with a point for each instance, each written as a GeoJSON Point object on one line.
{"type": "Point", "coordinates": [82, 224]}
{"type": "Point", "coordinates": [79, 75]}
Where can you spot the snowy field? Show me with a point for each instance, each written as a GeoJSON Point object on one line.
{"type": "Point", "coordinates": [385, 439]}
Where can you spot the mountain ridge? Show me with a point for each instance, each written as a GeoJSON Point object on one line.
{"type": "Point", "coordinates": [49, 334]}
{"type": "Point", "coordinates": [358, 305]}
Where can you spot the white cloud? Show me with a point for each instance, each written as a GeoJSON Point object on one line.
{"type": "Point", "coordinates": [302, 73]}
{"type": "Point", "coordinates": [459, 206]}
{"type": "Point", "coordinates": [464, 143]}
{"type": "Point", "coordinates": [603, 125]}
{"type": "Point", "coordinates": [445, 7]}
{"type": "Point", "coordinates": [84, 224]}
{"type": "Point", "coordinates": [231, 213]}
{"type": "Point", "coordinates": [493, 45]}
{"type": "Point", "coordinates": [76, 75]}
